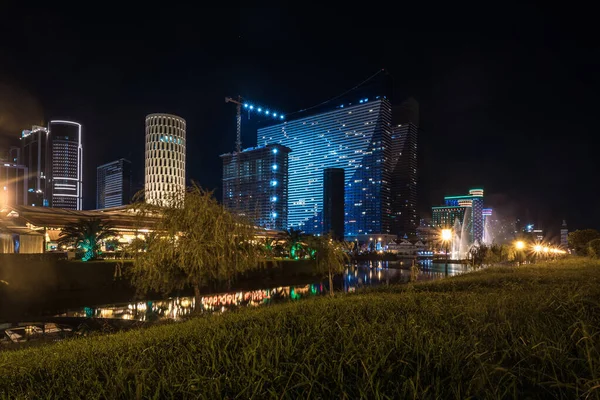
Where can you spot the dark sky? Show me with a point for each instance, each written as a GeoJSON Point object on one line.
{"type": "Point", "coordinates": [508, 96]}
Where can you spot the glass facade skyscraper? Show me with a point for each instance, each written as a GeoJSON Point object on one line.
{"type": "Point", "coordinates": [113, 184]}
{"type": "Point", "coordinates": [353, 136]}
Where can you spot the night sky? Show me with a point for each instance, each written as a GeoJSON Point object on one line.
{"type": "Point", "coordinates": [508, 97]}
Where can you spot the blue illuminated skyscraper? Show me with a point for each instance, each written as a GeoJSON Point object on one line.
{"type": "Point", "coordinates": [353, 136]}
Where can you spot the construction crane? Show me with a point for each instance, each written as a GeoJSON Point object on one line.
{"type": "Point", "coordinates": [238, 117]}
{"type": "Point", "coordinates": [238, 121]}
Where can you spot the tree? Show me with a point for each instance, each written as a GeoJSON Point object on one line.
{"type": "Point", "coordinates": [331, 258]}
{"type": "Point", "coordinates": [594, 248]}
{"type": "Point", "coordinates": [579, 240]}
{"type": "Point", "coordinates": [196, 241]}
{"type": "Point", "coordinates": [86, 234]}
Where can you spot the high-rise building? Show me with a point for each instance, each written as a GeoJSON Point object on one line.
{"type": "Point", "coordinates": [405, 130]}
{"type": "Point", "coordinates": [64, 165]}
{"type": "Point", "coordinates": [353, 136]}
{"type": "Point", "coordinates": [165, 158]}
{"type": "Point", "coordinates": [333, 202]}
{"type": "Point", "coordinates": [13, 183]}
{"type": "Point", "coordinates": [33, 155]}
{"type": "Point", "coordinates": [464, 213]}
{"type": "Point", "coordinates": [113, 184]}
{"type": "Point", "coordinates": [564, 235]}
{"type": "Point", "coordinates": [255, 185]}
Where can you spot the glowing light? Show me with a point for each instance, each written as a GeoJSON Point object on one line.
{"type": "Point", "coordinates": [520, 245]}
{"type": "Point", "coordinates": [274, 166]}
{"type": "Point", "coordinates": [274, 114]}
{"type": "Point", "coordinates": [246, 105]}
{"type": "Point", "coordinates": [274, 151]}
{"type": "Point", "coordinates": [274, 198]}
{"type": "Point", "coordinates": [537, 248]}
{"type": "Point", "coordinates": [273, 183]}
{"type": "Point", "coordinates": [281, 116]}
{"type": "Point", "coordinates": [267, 112]}
{"type": "Point", "coordinates": [274, 215]}
{"type": "Point", "coordinates": [446, 234]}
{"type": "Point", "coordinates": [546, 249]}
{"type": "Point", "coordinates": [252, 107]}
{"type": "Point", "coordinates": [259, 109]}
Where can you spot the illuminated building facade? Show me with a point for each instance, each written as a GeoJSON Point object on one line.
{"type": "Point", "coordinates": [258, 188]}
{"type": "Point", "coordinates": [353, 136]}
{"type": "Point", "coordinates": [465, 212]}
{"type": "Point", "coordinates": [113, 184]}
{"type": "Point", "coordinates": [165, 158]}
{"type": "Point", "coordinates": [64, 166]}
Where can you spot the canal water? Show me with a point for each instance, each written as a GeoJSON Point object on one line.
{"type": "Point", "coordinates": [364, 274]}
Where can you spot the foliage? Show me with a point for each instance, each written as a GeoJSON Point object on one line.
{"type": "Point", "coordinates": [594, 248]}
{"type": "Point", "coordinates": [293, 241]}
{"type": "Point", "coordinates": [330, 257]}
{"type": "Point", "coordinates": [579, 240]}
{"type": "Point", "coordinates": [492, 334]}
{"type": "Point", "coordinates": [196, 241]}
{"type": "Point", "coordinates": [86, 234]}
{"type": "Point", "coordinates": [484, 254]}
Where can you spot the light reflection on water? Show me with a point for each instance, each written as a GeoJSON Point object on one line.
{"type": "Point", "coordinates": [364, 274]}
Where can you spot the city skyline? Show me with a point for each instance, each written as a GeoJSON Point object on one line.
{"type": "Point", "coordinates": [484, 123]}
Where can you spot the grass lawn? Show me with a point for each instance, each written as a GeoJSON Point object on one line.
{"type": "Point", "coordinates": [523, 332]}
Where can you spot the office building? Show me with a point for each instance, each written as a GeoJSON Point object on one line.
{"type": "Point", "coordinates": [33, 156]}
{"type": "Point", "coordinates": [113, 184]}
{"type": "Point", "coordinates": [255, 185]}
{"type": "Point", "coordinates": [13, 183]}
{"type": "Point", "coordinates": [164, 177]}
{"type": "Point", "coordinates": [354, 136]}
{"type": "Point", "coordinates": [333, 202]}
{"type": "Point", "coordinates": [64, 165]}
{"type": "Point", "coordinates": [405, 129]}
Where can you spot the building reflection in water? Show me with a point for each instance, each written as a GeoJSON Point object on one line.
{"type": "Point", "coordinates": [372, 273]}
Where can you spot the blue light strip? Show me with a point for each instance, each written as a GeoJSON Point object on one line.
{"type": "Point", "coordinates": [275, 115]}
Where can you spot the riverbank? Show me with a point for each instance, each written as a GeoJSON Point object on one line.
{"type": "Point", "coordinates": [520, 332]}
{"type": "Point", "coordinates": [45, 285]}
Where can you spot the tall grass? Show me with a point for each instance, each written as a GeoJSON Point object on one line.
{"type": "Point", "coordinates": [526, 332]}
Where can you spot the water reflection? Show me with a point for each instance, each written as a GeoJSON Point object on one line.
{"type": "Point", "coordinates": [365, 274]}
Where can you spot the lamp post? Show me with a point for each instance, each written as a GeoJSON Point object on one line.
{"type": "Point", "coordinates": [519, 245]}
{"type": "Point", "coordinates": [446, 238]}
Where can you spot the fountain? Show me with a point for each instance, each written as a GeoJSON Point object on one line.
{"type": "Point", "coordinates": [461, 240]}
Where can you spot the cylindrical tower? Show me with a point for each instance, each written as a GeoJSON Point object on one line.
{"type": "Point", "coordinates": [165, 158]}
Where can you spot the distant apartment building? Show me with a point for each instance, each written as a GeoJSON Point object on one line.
{"type": "Point", "coordinates": [113, 186]}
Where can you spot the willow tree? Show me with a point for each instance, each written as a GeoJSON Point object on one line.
{"type": "Point", "coordinates": [331, 257]}
{"type": "Point", "coordinates": [195, 242]}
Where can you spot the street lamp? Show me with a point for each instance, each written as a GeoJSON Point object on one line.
{"type": "Point", "coordinates": [447, 237]}
{"type": "Point", "coordinates": [519, 245]}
